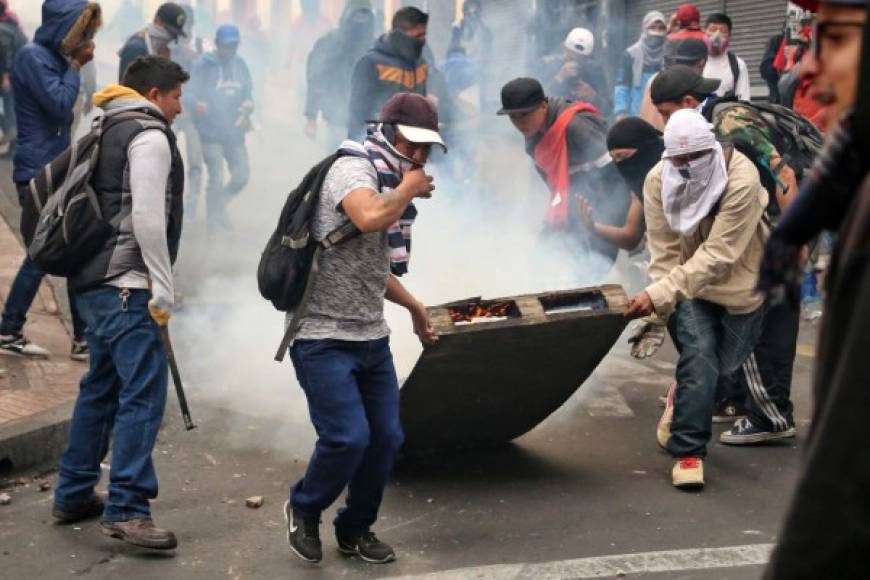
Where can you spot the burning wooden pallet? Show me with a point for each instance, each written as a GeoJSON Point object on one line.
{"type": "Point", "coordinates": [503, 366]}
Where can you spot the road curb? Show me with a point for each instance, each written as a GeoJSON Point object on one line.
{"type": "Point", "coordinates": [35, 440]}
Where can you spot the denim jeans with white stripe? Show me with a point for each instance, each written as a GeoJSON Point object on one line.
{"type": "Point", "coordinates": [713, 342]}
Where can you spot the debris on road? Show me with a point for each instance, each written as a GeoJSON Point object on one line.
{"type": "Point", "coordinates": [44, 485]}
{"type": "Point", "coordinates": [5, 499]}
{"type": "Point", "coordinates": [254, 502]}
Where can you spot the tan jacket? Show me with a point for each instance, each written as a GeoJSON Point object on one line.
{"type": "Point", "coordinates": [719, 261]}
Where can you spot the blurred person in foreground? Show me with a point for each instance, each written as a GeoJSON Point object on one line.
{"type": "Point", "coordinates": [125, 293]}
{"type": "Point", "coordinates": [827, 529]}
{"type": "Point", "coordinates": [220, 96]}
{"type": "Point", "coordinates": [567, 142]}
{"type": "Point", "coordinates": [640, 62]}
{"type": "Point", "coordinates": [167, 27]}
{"type": "Point", "coordinates": [703, 209]}
{"type": "Point", "coordinates": [330, 67]}
{"type": "Point", "coordinates": [46, 81]}
{"type": "Point", "coordinates": [341, 349]}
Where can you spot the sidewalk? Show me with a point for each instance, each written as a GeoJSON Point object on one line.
{"type": "Point", "coordinates": [36, 395]}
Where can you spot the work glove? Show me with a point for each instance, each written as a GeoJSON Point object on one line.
{"type": "Point", "coordinates": [159, 313]}
{"type": "Point", "coordinates": [647, 337]}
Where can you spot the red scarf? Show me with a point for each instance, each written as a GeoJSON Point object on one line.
{"type": "Point", "coordinates": [551, 156]}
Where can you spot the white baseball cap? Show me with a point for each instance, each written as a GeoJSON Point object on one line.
{"type": "Point", "coordinates": [580, 41]}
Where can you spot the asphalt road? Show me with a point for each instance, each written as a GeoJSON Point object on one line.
{"type": "Point", "coordinates": [585, 495]}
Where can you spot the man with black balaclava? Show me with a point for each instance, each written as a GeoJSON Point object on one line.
{"type": "Point", "coordinates": [395, 65]}
{"type": "Point", "coordinates": [330, 67]}
{"type": "Point", "coordinates": [167, 27]}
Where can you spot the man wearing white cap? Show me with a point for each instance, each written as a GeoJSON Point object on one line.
{"type": "Point", "coordinates": [341, 349]}
{"type": "Point", "coordinates": [575, 74]}
{"type": "Point", "coordinates": [703, 207]}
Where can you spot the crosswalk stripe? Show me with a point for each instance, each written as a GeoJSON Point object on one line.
{"type": "Point", "coordinates": [607, 566]}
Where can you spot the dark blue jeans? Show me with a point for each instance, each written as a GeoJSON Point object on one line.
{"type": "Point", "coordinates": [21, 295]}
{"type": "Point", "coordinates": [353, 399]}
{"type": "Point", "coordinates": [122, 396]}
{"type": "Point", "coordinates": [713, 342]}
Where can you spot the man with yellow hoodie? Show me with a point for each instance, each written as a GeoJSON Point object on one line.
{"type": "Point", "coordinates": [125, 293]}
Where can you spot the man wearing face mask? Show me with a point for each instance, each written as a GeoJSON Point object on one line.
{"type": "Point", "coordinates": [690, 53]}
{"type": "Point", "coordinates": [154, 39]}
{"type": "Point", "coordinates": [341, 349]}
{"type": "Point", "coordinates": [221, 98]}
{"type": "Point", "coordinates": [640, 62]}
{"type": "Point", "coordinates": [330, 67]}
{"type": "Point", "coordinates": [723, 64]}
{"type": "Point", "coordinates": [395, 65]}
{"type": "Point", "coordinates": [703, 209]}
{"type": "Point", "coordinates": [636, 147]}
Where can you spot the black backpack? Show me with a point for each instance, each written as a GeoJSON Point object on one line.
{"type": "Point", "coordinates": [289, 263]}
{"type": "Point", "coordinates": [71, 227]}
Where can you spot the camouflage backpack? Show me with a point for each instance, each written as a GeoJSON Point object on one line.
{"type": "Point", "coordinates": [764, 131]}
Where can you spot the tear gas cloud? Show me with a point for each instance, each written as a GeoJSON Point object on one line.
{"type": "Point", "coordinates": [475, 237]}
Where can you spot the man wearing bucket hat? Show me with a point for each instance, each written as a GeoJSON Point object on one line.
{"type": "Point", "coordinates": [827, 529]}
{"type": "Point", "coordinates": [155, 38]}
{"type": "Point", "coordinates": [703, 207]}
{"type": "Point", "coordinates": [341, 349]}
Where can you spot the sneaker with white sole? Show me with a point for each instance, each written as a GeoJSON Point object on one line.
{"type": "Point", "coordinates": [663, 429]}
{"type": "Point", "coordinates": [303, 535]}
{"type": "Point", "coordinates": [79, 350]}
{"type": "Point", "coordinates": [366, 545]}
{"type": "Point", "coordinates": [18, 344]}
{"type": "Point", "coordinates": [688, 472]}
{"type": "Point", "coordinates": [745, 432]}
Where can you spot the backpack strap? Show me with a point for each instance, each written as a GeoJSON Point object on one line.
{"type": "Point", "coordinates": [735, 69]}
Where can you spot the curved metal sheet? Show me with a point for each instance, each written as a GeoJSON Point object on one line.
{"type": "Point", "coordinates": [485, 384]}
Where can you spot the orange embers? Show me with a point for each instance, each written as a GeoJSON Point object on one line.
{"type": "Point", "coordinates": [479, 311]}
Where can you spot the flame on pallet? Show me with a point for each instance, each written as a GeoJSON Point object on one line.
{"type": "Point", "coordinates": [474, 312]}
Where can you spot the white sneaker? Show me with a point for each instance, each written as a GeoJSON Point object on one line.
{"type": "Point", "coordinates": [18, 344]}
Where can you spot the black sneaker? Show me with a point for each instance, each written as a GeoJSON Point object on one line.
{"type": "Point", "coordinates": [79, 350]}
{"type": "Point", "coordinates": [366, 545]}
{"type": "Point", "coordinates": [18, 344]}
{"type": "Point", "coordinates": [744, 432]}
{"type": "Point", "coordinates": [303, 535]}
{"type": "Point", "coordinates": [728, 412]}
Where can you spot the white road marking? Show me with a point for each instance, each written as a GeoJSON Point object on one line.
{"type": "Point", "coordinates": [607, 566]}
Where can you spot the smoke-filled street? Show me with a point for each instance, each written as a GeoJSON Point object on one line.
{"type": "Point", "coordinates": [579, 497]}
{"type": "Point", "coordinates": [466, 289]}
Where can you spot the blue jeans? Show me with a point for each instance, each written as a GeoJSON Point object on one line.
{"type": "Point", "coordinates": [123, 395]}
{"type": "Point", "coordinates": [21, 295]}
{"type": "Point", "coordinates": [218, 193]}
{"type": "Point", "coordinates": [713, 342]}
{"type": "Point", "coordinates": [353, 400]}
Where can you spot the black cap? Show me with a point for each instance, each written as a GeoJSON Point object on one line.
{"type": "Point", "coordinates": [689, 51]}
{"type": "Point", "coordinates": [675, 82]}
{"type": "Point", "coordinates": [521, 96]}
{"type": "Point", "coordinates": [173, 18]}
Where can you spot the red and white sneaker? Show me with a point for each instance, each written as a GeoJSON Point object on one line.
{"type": "Point", "coordinates": [688, 472]}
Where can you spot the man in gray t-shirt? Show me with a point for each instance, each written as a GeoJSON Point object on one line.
{"type": "Point", "coordinates": [341, 350]}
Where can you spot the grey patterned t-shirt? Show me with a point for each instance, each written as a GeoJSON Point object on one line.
{"type": "Point", "coordinates": [347, 301]}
